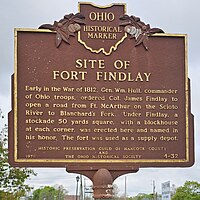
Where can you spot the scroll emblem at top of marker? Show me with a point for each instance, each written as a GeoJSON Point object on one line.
{"type": "Point", "coordinates": [102, 28]}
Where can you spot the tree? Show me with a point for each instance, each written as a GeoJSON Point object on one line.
{"type": "Point", "coordinates": [12, 179]}
{"type": "Point", "coordinates": [189, 191]}
{"type": "Point", "coordinates": [145, 196]}
{"type": "Point", "coordinates": [49, 193]}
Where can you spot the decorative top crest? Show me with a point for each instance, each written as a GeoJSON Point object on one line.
{"type": "Point", "coordinates": [71, 24]}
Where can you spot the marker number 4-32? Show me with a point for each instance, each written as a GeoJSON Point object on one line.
{"type": "Point", "coordinates": [171, 156]}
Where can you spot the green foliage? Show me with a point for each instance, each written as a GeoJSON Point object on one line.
{"type": "Point", "coordinates": [49, 193]}
{"type": "Point", "coordinates": [142, 197]}
{"type": "Point", "coordinates": [189, 191]}
{"type": "Point", "coordinates": [145, 197]}
{"type": "Point", "coordinates": [12, 179]}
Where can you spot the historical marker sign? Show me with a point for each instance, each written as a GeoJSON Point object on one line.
{"type": "Point", "coordinates": [100, 87]}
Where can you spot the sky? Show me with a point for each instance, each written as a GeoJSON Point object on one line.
{"type": "Point", "coordinates": [173, 16]}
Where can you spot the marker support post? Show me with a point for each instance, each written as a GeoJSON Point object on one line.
{"type": "Point", "coordinates": [102, 176]}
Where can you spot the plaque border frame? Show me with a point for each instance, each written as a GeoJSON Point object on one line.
{"type": "Point", "coordinates": [133, 161]}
